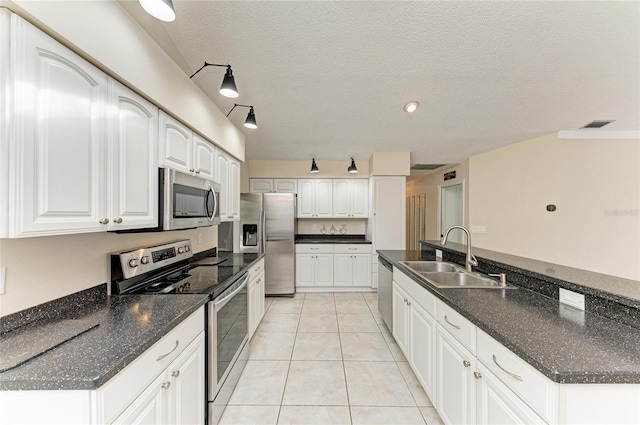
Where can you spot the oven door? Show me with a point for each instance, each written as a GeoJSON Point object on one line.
{"type": "Point", "coordinates": [228, 334]}
{"type": "Point", "coordinates": [189, 201]}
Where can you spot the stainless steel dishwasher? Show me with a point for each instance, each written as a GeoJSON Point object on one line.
{"type": "Point", "coordinates": [385, 279]}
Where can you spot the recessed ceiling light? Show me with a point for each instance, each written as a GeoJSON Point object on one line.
{"type": "Point", "coordinates": [411, 106]}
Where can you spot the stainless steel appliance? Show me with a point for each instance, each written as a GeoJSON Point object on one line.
{"type": "Point", "coordinates": [385, 279]}
{"type": "Point", "coordinates": [268, 225]}
{"type": "Point", "coordinates": [166, 269]}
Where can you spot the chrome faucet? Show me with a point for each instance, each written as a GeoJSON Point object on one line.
{"type": "Point", "coordinates": [471, 260]}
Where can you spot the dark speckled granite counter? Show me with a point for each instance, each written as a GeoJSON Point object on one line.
{"type": "Point", "coordinates": [335, 239]}
{"type": "Point", "coordinates": [565, 344]}
{"type": "Point", "coordinates": [126, 327]}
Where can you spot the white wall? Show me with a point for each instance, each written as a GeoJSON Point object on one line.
{"type": "Point", "coordinates": [595, 185]}
{"type": "Point", "coordinates": [46, 268]}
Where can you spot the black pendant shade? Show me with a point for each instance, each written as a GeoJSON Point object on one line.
{"type": "Point", "coordinates": [314, 167]}
{"type": "Point", "coordinates": [228, 87]}
{"type": "Point", "coordinates": [352, 168]}
{"type": "Point", "coordinates": [250, 122]}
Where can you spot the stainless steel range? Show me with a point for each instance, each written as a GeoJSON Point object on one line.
{"type": "Point", "coordinates": [166, 269]}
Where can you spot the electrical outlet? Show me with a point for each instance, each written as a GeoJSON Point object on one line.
{"type": "Point", "coordinates": [571, 298]}
{"type": "Point", "coordinates": [478, 229]}
{"type": "Point", "coordinates": [199, 237]}
{"type": "Point", "coordinates": [314, 226]}
{"type": "Point", "coordinates": [3, 274]}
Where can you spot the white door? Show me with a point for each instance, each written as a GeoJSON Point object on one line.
{"type": "Point", "coordinates": [133, 161]}
{"type": "Point", "coordinates": [324, 198]}
{"type": "Point", "coordinates": [422, 348]}
{"type": "Point", "coordinates": [451, 208]}
{"type": "Point", "coordinates": [222, 170]}
{"type": "Point", "coordinates": [341, 198]}
{"type": "Point", "coordinates": [323, 270]}
{"type": "Point", "coordinates": [186, 377]}
{"type": "Point", "coordinates": [361, 270]}
{"type": "Point", "coordinates": [57, 159]}
{"type": "Point", "coordinates": [456, 386]}
{"type": "Point", "coordinates": [176, 144]}
{"type": "Point", "coordinates": [305, 275]}
{"type": "Point", "coordinates": [204, 158]}
{"type": "Point", "coordinates": [388, 213]}
{"type": "Point", "coordinates": [342, 270]}
{"type": "Point", "coordinates": [234, 190]}
{"type": "Point", "coordinates": [306, 198]}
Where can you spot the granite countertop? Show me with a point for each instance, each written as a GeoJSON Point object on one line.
{"type": "Point", "coordinates": [101, 340]}
{"type": "Point", "coordinates": [565, 344]}
{"type": "Point", "coordinates": [332, 239]}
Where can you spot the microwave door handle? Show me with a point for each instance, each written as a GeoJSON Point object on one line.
{"type": "Point", "coordinates": [215, 204]}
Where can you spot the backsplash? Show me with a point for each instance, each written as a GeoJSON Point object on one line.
{"type": "Point", "coordinates": [332, 226]}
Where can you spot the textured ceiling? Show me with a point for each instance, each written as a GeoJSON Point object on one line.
{"type": "Point", "coordinates": [329, 79]}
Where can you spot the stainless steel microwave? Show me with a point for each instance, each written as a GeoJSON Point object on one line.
{"type": "Point", "coordinates": [187, 201]}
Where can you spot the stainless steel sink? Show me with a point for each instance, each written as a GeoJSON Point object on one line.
{"type": "Point", "coordinates": [431, 266]}
{"type": "Point", "coordinates": [447, 275]}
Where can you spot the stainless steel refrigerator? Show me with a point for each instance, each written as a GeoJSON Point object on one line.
{"type": "Point", "coordinates": [268, 224]}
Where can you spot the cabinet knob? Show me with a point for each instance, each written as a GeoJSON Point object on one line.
{"type": "Point", "coordinates": [104, 221]}
{"type": "Point", "coordinates": [166, 385]}
{"type": "Point", "coordinates": [191, 170]}
{"type": "Point", "coordinates": [175, 373]}
{"type": "Point", "coordinates": [198, 171]}
{"type": "Point", "coordinates": [466, 363]}
{"type": "Point", "coordinates": [477, 375]}
{"type": "Point", "coordinates": [117, 220]}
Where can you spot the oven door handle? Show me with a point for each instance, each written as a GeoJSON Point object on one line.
{"type": "Point", "coordinates": [218, 304]}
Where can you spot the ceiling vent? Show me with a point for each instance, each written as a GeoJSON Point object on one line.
{"type": "Point", "coordinates": [597, 124]}
{"type": "Point", "coordinates": [426, 166]}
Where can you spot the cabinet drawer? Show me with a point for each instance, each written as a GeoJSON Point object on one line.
{"type": "Point", "coordinates": [420, 295]}
{"type": "Point", "coordinates": [317, 248]}
{"type": "Point", "coordinates": [352, 249]}
{"type": "Point", "coordinates": [256, 269]}
{"type": "Point", "coordinates": [130, 382]}
{"type": "Point", "coordinates": [459, 327]}
{"type": "Point", "coordinates": [532, 386]}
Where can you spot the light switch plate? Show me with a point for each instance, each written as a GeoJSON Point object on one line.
{"type": "Point", "coordinates": [438, 254]}
{"type": "Point", "coordinates": [3, 274]}
{"type": "Point", "coordinates": [571, 298]}
{"type": "Point", "coordinates": [478, 229]}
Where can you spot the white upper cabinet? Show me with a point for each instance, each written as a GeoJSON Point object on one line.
{"type": "Point", "coordinates": [56, 147]}
{"type": "Point", "coordinates": [273, 185]}
{"type": "Point", "coordinates": [204, 158]}
{"type": "Point", "coordinates": [351, 198]}
{"type": "Point", "coordinates": [260, 185]}
{"type": "Point", "coordinates": [133, 176]}
{"type": "Point", "coordinates": [315, 198]}
{"type": "Point", "coordinates": [285, 185]}
{"type": "Point", "coordinates": [228, 171]}
{"type": "Point", "coordinates": [234, 190]}
{"type": "Point", "coordinates": [176, 144]}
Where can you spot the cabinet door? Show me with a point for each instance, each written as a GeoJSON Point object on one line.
{"type": "Point", "coordinates": [342, 270]}
{"type": "Point", "coordinates": [151, 407]}
{"type": "Point", "coordinates": [176, 144]}
{"type": "Point", "coordinates": [497, 404]}
{"type": "Point", "coordinates": [186, 377]}
{"type": "Point", "coordinates": [260, 185]}
{"type": "Point", "coordinates": [306, 198]}
{"type": "Point", "coordinates": [252, 300]}
{"type": "Point", "coordinates": [285, 186]}
{"type": "Point", "coordinates": [456, 386]}
{"type": "Point", "coordinates": [260, 297]}
{"type": "Point", "coordinates": [305, 275]}
{"type": "Point", "coordinates": [341, 198]}
{"type": "Point", "coordinates": [234, 190]}
{"type": "Point", "coordinates": [422, 348]}
{"type": "Point", "coordinates": [361, 270]}
{"type": "Point", "coordinates": [133, 160]}
{"type": "Point", "coordinates": [400, 319]}
{"type": "Point", "coordinates": [204, 158]}
{"type": "Point", "coordinates": [222, 170]}
{"type": "Point", "coordinates": [324, 198]}
{"type": "Point", "coordinates": [359, 198]}
{"type": "Point", "coordinates": [57, 152]}
{"type": "Point", "coordinates": [323, 270]}
{"type": "Point", "coordinates": [388, 227]}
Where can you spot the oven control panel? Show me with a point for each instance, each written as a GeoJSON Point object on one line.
{"type": "Point", "coordinates": [143, 260]}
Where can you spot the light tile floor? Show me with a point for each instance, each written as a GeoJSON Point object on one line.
{"type": "Point", "coordinates": [327, 359]}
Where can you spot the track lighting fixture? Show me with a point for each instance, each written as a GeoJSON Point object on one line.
{"type": "Point", "coordinates": [352, 168]}
{"type": "Point", "coordinates": [314, 167]}
{"type": "Point", "coordinates": [228, 87]}
{"type": "Point", "coordinates": [250, 122]}
{"type": "Point", "coordinates": [159, 9]}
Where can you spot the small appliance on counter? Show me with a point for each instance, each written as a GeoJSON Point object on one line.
{"type": "Point", "coordinates": [268, 225]}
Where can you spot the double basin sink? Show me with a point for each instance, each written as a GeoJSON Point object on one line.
{"type": "Point", "coordinates": [447, 275]}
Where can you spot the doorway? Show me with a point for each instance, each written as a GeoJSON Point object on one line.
{"type": "Point", "coordinates": [451, 211]}
{"type": "Point", "coordinates": [416, 220]}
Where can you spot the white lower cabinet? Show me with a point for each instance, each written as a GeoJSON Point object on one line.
{"type": "Point", "coordinates": [314, 269]}
{"type": "Point", "coordinates": [333, 265]}
{"type": "Point", "coordinates": [256, 296]}
{"type": "Point", "coordinates": [352, 269]}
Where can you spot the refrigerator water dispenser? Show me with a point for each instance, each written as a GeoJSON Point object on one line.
{"type": "Point", "coordinates": [250, 234]}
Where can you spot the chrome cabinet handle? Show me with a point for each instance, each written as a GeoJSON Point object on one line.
{"type": "Point", "coordinates": [466, 363]}
{"type": "Point", "coordinates": [175, 373]}
{"type": "Point", "coordinates": [518, 377]}
{"type": "Point", "coordinates": [447, 320]}
{"type": "Point", "coordinates": [117, 220]}
{"type": "Point", "coordinates": [353, 249]}
{"type": "Point", "coordinates": [166, 385]}
{"type": "Point", "coordinates": [477, 375]}
{"type": "Point", "coordinates": [165, 355]}
{"type": "Point", "coordinates": [104, 221]}
{"type": "Point", "coordinates": [314, 249]}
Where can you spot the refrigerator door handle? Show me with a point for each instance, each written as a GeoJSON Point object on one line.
{"type": "Point", "coordinates": [263, 232]}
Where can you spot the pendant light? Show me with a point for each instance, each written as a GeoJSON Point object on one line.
{"type": "Point", "coordinates": [314, 167]}
{"type": "Point", "coordinates": [159, 9]}
{"type": "Point", "coordinates": [352, 168]}
{"type": "Point", "coordinates": [228, 87]}
{"type": "Point", "coordinates": [250, 122]}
